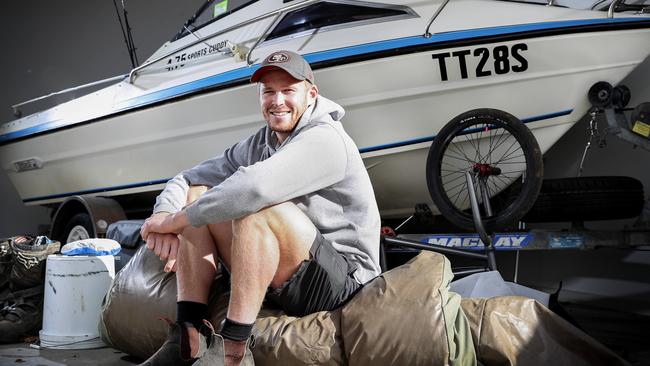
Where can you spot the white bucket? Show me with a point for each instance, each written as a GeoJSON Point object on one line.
{"type": "Point", "coordinates": [74, 289]}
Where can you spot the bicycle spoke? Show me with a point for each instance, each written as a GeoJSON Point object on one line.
{"type": "Point", "coordinates": [452, 188]}
{"type": "Point", "coordinates": [477, 155]}
{"type": "Point", "coordinates": [458, 150]}
{"type": "Point", "coordinates": [513, 162]}
{"type": "Point", "coordinates": [508, 156]}
{"type": "Point", "coordinates": [458, 158]}
{"type": "Point", "coordinates": [479, 137]}
{"type": "Point", "coordinates": [500, 141]}
{"type": "Point", "coordinates": [457, 171]}
{"type": "Point", "coordinates": [455, 179]}
{"type": "Point", "coordinates": [512, 175]}
{"type": "Point", "coordinates": [505, 183]}
{"type": "Point", "coordinates": [514, 141]}
{"type": "Point", "coordinates": [515, 157]}
{"type": "Point", "coordinates": [459, 193]}
{"type": "Point", "coordinates": [489, 153]}
{"type": "Point", "coordinates": [496, 189]}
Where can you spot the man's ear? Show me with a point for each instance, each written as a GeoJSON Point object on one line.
{"type": "Point", "coordinates": [313, 91]}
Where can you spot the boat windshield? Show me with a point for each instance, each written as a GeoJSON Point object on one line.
{"type": "Point", "coordinates": [326, 14]}
{"type": "Point", "coordinates": [210, 11]}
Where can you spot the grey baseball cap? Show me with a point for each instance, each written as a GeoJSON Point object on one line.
{"type": "Point", "coordinates": [288, 61]}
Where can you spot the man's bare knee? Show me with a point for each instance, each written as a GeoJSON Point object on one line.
{"type": "Point", "coordinates": [197, 237]}
{"type": "Point", "coordinates": [191, 231]}
{"type": "Point", "coordinates": [279, 218]}
{"type": "Point", "coordinates": [283, 225]}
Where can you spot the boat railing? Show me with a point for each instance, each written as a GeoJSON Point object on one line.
{"type": "Point", "coordinates": [16, 107]}
{"type": "Point", "coordinates": [275, 13]}
{"type": "Point", "coordinates": [610, 11]}
{"type": "Point", "coordinates": [427, 32]}
{"type": "Point", "coordinates": [612, 8]}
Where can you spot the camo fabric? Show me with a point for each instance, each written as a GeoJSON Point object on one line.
{"type": "Point", "coordinates": [22, 269]}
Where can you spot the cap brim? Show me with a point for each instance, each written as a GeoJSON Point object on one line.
{"type": "Point", "coordinates": [257, 75]}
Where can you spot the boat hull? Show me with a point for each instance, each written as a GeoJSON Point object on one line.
{"type": "Point", "coordinates": [395, 105]}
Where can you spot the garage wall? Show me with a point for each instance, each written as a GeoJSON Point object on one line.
{"type": "Point", "coordinates": [53, 45]}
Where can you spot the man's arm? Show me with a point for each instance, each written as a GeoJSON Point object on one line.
{"type": "Point", "coordinates": [315, 159]}
{"type": "Point", "coordinates": [209, 173]}
{"type": "Point", "coordinates": [165, 245]}
{"type": "Point", "coordinates": [161, 230]}
{"type": "Point", "coordinates": [171, 223]}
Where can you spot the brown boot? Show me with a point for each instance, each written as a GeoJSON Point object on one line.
{"type": "Point", "coordinates": [224, 352]}
{"type": "Point", "coordinates": [176, 349]}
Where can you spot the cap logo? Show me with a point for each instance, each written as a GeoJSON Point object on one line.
{"type": "Point", "coordinates": [278, 57]}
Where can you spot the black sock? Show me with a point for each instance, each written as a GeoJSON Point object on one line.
{"type": "Point", "coordinates": [236, 331]}
{"type": "Point", "coordinates": [191, 312]}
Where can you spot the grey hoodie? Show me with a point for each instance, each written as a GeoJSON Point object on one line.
{"type": "Point", "coordinates": [318, 168]}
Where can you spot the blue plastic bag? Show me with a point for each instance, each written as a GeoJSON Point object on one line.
{"type": "Point", "coordinates": [91, 247]}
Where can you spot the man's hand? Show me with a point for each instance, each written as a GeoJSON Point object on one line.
{"type": "Point", "coordinates": [165, 223]}
{"type": "Point", "coordinates": [166, 248]}
{"type": "Point", "coordinates": [160, 232]}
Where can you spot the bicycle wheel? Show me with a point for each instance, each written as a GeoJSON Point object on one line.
{"type": "Point", "coordinates": [500, 152]}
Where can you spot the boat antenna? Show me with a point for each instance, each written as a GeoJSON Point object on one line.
{"type": "Point", "coordinates": [126, 33]}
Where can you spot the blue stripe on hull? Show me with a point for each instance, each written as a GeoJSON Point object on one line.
{"type": "Point", "coordinates": [362, 150]}
{"type": "Point", "coordinates": [430, 138]}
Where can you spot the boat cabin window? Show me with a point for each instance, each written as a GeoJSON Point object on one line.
{"type": "Point", "coordinates": [327, 14]}
{"type": "Point", "coordinates": [210, 11]}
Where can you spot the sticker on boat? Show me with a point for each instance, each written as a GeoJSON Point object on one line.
{"type": "Point", "coordinates": [473, 241]}
{"type": "Point", "coordinates": [220, 8]}
{"type": "Point", "coordinates": [177, 61]}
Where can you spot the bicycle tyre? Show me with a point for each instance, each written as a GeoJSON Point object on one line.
{"type": "Point", "coordinates": [467, 130]}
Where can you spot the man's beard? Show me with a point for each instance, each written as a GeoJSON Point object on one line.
{"type": "Point", "coordinates": [285, 130]}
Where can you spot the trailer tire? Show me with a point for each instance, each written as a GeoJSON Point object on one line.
{"type": "Point", "coordinates": [84, 217]}
{"type": "Point", "coordinates": [456, 150]}
{"type": "Point", "coordinates": [79, 227]}
{"type": "Point", "coordinates": [587, 199]}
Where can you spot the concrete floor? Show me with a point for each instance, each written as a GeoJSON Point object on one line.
{"type": "Point", "coordinates": [24, 355]}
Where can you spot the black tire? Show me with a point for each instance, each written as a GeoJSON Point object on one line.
{"type": "Point", "coordinates": [76, 223]}
{"type": "Point", "coordinates": [587, 199]}
{"type": "Point", "coordinates": [507, 145]}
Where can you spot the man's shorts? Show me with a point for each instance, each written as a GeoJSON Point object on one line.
{"type": "Point", "coordinates": [323, 282]}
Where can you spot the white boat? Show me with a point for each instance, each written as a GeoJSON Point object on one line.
{"type": "Point", "coordinates": [401, 69]}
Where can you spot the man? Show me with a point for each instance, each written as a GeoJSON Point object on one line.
{"type": "Point", "coordinates": [290, 212]}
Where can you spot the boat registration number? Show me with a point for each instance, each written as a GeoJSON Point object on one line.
{"type": "Point", "coordinates": [497, 60]}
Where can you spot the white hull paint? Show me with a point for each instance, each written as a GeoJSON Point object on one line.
{"type": "Point", "coordinates": [389, 100]}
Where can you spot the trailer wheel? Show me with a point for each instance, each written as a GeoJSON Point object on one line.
{"type": "Point", "coordinates": [78, 228]}
{"type": "Point", "coordinates": [79, 218]}
{"type": "Point", "coordinates": [495, 147]}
